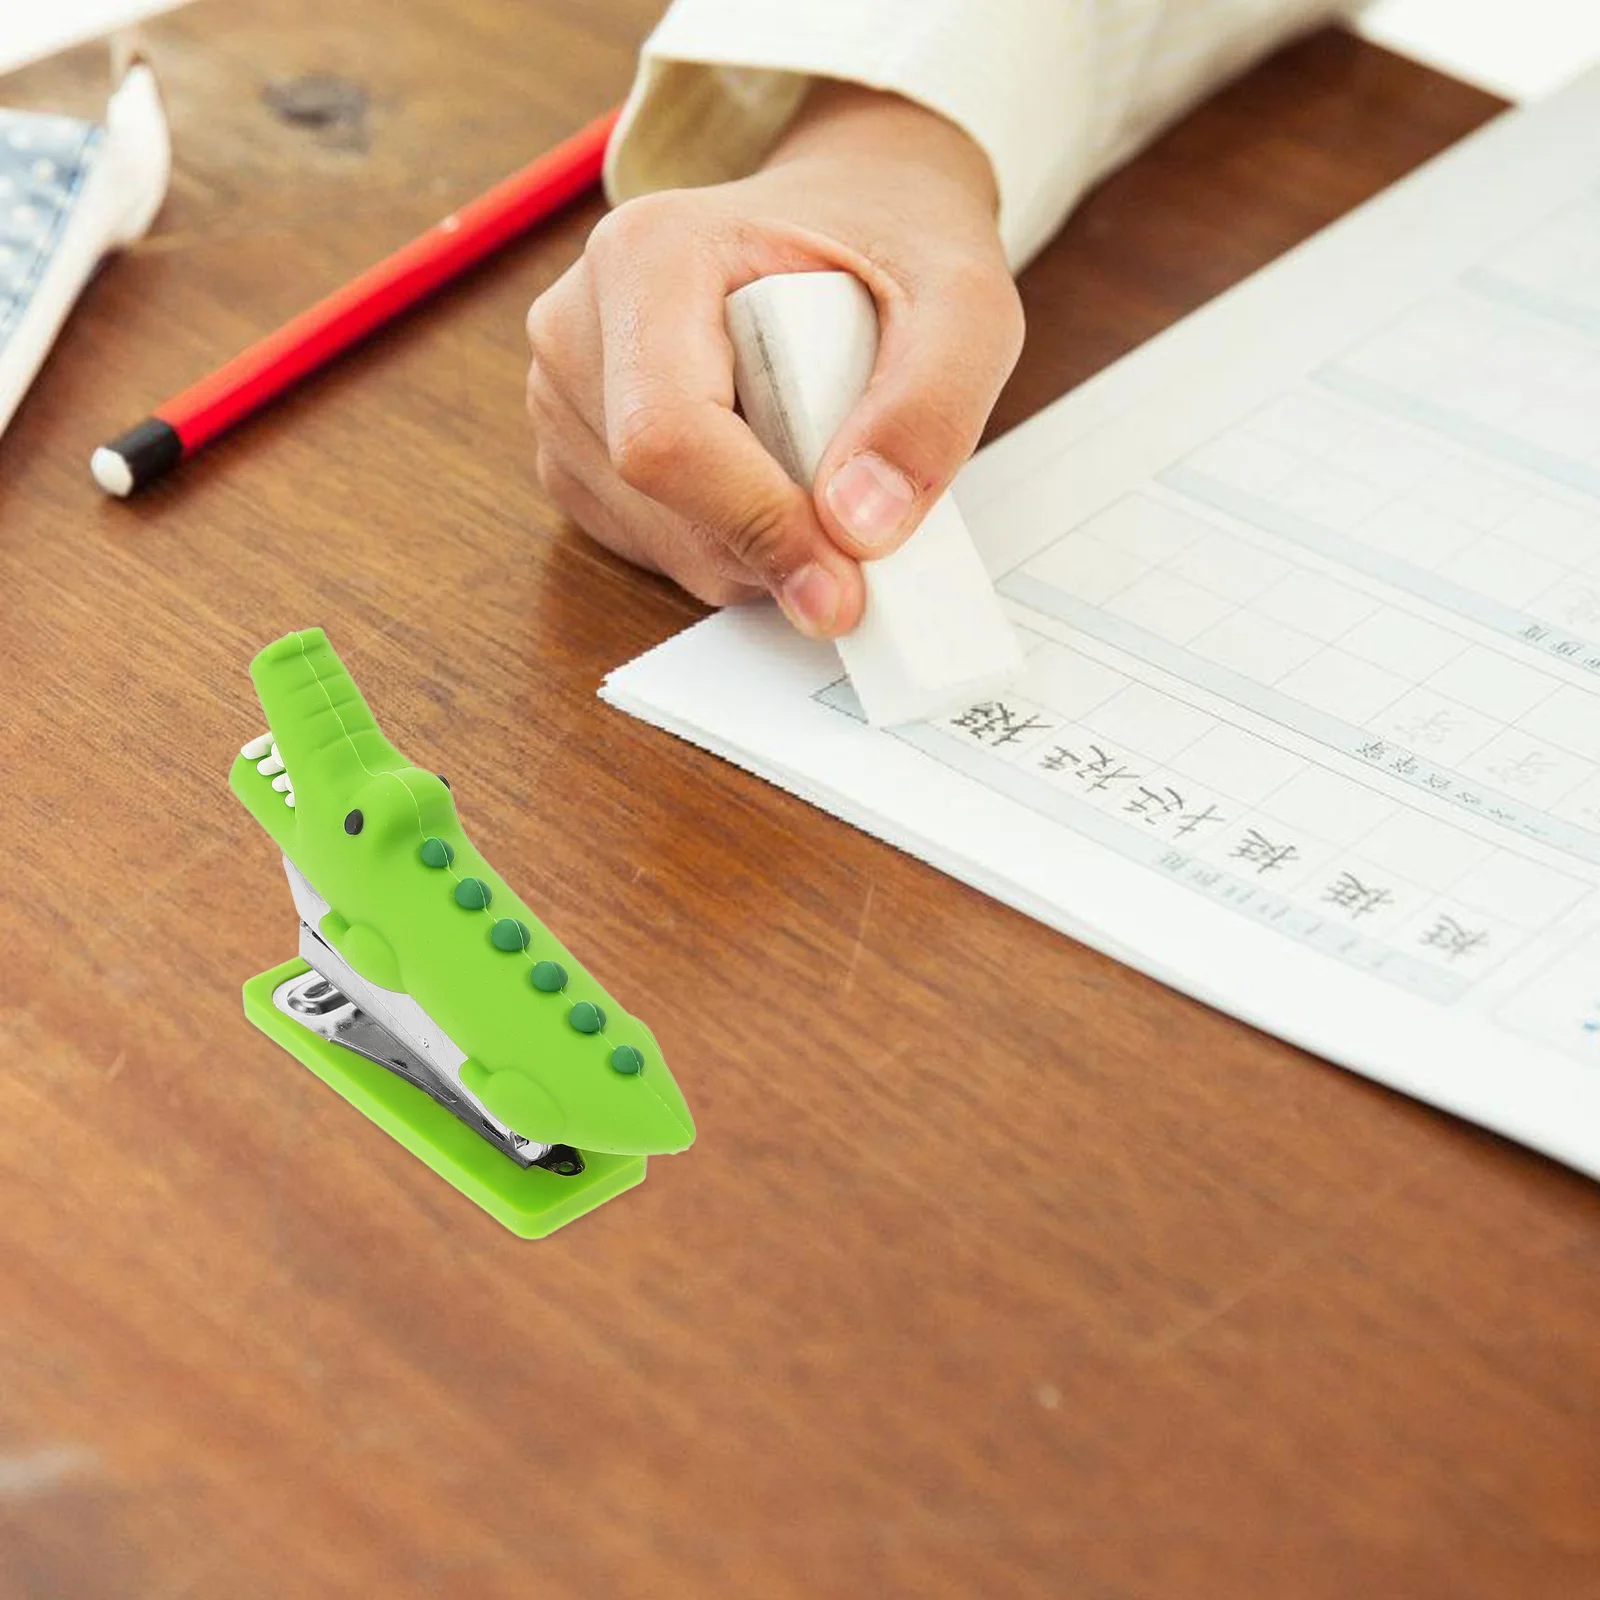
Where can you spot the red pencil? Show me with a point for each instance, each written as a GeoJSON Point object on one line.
{"type": "Point", "coordinates": [186, 422]}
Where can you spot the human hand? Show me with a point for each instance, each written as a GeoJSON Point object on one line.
{"type": "Point", "coordinates": [631, 384]}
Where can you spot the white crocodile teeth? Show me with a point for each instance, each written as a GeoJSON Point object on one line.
{"type": "Point", "coordinates": [272, 764]}
{"type": "Point", "coordinates": [288, 799]}
{"type": "Point", "coordinates": [281, 783]}
{"type": "Point", "coordinates": [258, 747]}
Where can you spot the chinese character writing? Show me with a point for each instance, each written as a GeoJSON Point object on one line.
{"type": "Point", "coordinates": [1349, 893]}
{"type": "Point", "coordinates": [1097, 770]}
{"type": "Point", "coordinates": [1192, 820]}
{"type": "Point", "coordinates": [1265, 856]}
{"type": "Point", "coordinates": [995, 723]}
{"type": "Point", "coordinates": [1522, 771]}
{"type": "Point", "coordinates": [1434, 728]}
{"type": "Point", "coordinates": [1450, 936]}
{"type": "Point", "coordinates": [1154, 805]}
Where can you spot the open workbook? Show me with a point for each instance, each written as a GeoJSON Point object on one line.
{"type": "Point", "coordinates": [1310, 588]}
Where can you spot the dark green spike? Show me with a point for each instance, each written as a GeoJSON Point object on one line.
{"type": "Point", "coordinates": [587, 1017]}
{"type": "Point", "coordinates": [549, 977]}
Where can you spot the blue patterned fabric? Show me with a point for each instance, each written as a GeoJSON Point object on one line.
{"type": "Point", "coordinates": [43, 162]}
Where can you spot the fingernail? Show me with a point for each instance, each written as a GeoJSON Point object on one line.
{"type": "Point", "coordinates": [810, 599]}
{"type": "Point", "coordinates": [871, 498]}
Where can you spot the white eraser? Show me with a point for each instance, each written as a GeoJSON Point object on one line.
{"type": "Point", "coordinates": [933, 636]}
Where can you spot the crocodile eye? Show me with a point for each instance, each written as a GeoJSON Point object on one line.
{"type": "Point", "coordinates": [353, 822]}
{"type": "Point", "coordinates": [442, 779]}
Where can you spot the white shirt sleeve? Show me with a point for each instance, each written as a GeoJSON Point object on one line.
{"type": "Point", "coordinates": [1056, 92]}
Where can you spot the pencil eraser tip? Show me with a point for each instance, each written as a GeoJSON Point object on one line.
{"type": "Point", "coordinates": [136, 457]}
{"type": "Point", "coordinates": [111, 472]}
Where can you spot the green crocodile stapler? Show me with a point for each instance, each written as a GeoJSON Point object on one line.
{"type": "Point", "coordinates": [425, 991]}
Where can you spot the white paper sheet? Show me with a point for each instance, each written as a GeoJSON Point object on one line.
{"type": "Point", "coordinates": [1518, 48]}
{"type": "Point", "coordinates": [1311, 590]}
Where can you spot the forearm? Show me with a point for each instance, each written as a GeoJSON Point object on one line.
{"type": "Point", "coordinates": [1054, 92]}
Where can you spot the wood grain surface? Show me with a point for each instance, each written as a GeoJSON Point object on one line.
{"type": "Point", "coordinates": [997, 1270]}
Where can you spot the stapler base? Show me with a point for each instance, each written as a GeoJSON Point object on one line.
{"type": "Point", "coordinates": [530, 1201]}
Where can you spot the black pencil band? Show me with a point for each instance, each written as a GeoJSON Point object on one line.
{"type": "Point", "coordinates": [137, 457]}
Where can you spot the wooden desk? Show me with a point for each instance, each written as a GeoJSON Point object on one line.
{"type": "Point", "coordinates": [1154, 1306]}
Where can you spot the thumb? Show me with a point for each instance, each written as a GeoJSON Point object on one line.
{"type": "Point", "coordinates": [944, 353]}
